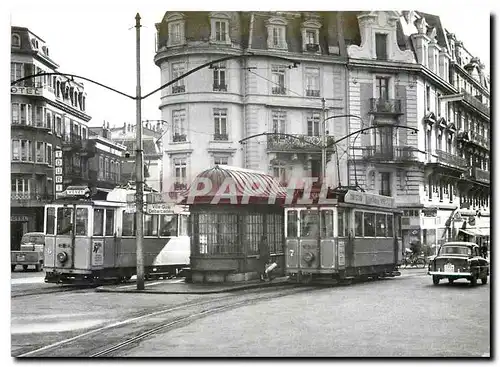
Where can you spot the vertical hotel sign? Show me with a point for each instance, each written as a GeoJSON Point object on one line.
{"type": "Point", "coordinates": [59, 170]}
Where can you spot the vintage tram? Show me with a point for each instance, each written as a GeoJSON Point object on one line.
{"type": "Point", "coordinates": [345, 235]}
{"type": "Point", "coordinates": [90, 241]}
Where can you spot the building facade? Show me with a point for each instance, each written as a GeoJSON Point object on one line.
{"type": "Point", "coordinates": [51, 146]}
{"type": "Point", "coordinates": [153, 157]}
{"type": "Point", "coordinates": [297, 62]}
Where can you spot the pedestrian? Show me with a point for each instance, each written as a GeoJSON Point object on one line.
{"type": "Point", "coordinates": [263, 257]}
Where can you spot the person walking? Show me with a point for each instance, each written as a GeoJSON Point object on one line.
{"type": "Point", "coordinates": [263, 257]}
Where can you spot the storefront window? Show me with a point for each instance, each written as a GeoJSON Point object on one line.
{"type": "Point", "coordinates": [254, 231]}
{"type": "Point", "coordinates": [275, 233]}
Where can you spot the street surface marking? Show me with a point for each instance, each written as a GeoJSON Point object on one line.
{"type": "Point", "coordinates": [52, 327]}
{"type": "Point", "coordinates": [31, 280]}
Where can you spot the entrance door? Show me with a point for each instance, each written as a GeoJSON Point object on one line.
{"type": "Point", "coordinates": [17, 229]}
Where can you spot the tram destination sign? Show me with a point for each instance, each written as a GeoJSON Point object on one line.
{"type": "Point", "coordinates": [159, 208]}
{"type": "Point", "coordinates": [365, 198]}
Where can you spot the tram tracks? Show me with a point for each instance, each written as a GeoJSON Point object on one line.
{"type": "Point", "coordinates": [111, 339]}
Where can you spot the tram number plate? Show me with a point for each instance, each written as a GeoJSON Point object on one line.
{"type": "Point", "coordinates": [449, 268]}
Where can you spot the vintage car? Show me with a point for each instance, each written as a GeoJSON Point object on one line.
{"type": "Point", "coordinates": [457, 260]}
{"type": "Point", "coordinates": [31, 252]}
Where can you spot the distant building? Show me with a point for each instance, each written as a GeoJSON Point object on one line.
{"type": "Point", "coordinates": [151, 138]}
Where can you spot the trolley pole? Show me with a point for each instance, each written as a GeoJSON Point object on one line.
{"type": "Point", "coordinates": [139, 169]}
{"type": "Point", "coordinates": [323, 142]}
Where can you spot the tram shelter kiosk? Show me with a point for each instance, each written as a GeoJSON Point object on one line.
{"type": "Point", "coordinates": [235, 213]}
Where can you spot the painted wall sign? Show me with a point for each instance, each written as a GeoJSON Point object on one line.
{"type": "Point", "coordinates": [58, 177]}
{"type": "Point", "coordinates": [97, 252]}
{"type": "Point", "coordinates": [31, 91]}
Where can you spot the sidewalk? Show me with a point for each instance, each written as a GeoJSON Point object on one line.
{"type": "Point", "coordinates": [181, 287]}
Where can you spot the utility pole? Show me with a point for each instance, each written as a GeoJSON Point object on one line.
{"type": "Point", "coordinates": [323, 142]}
{"type": "Point", "coordinates": [139, 194]}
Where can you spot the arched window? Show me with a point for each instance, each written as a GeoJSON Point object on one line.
{"type": "Point", "coordinates": [16, 40]}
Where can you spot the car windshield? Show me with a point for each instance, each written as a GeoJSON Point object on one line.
{"type": "Point", "coordinates": [455, 250]}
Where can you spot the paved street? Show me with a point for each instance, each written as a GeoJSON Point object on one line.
{"type": "Point", "coordinates": [402, 316]}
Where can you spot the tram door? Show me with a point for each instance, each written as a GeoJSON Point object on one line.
{"type": "Point", "coordinates": [309, 236]}
{"type": "Point", "coordinates": [327, 240]}
{"type": "Point", "coordinates": [292, 238]}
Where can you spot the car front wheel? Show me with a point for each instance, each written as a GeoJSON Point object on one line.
{"type": "Point", "coordinates": [484, 280]}
{"type": "Point", "coordinates": [435, 279]}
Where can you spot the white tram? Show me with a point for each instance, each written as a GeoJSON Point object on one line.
{"type": "Point", "coordinates": [93, 240]}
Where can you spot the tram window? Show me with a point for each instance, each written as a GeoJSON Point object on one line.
{"type": "Point", "coordinates": [369, 224]}
{"type": "Point", "coordinates": [358, 221]}
{"type": "Point", "coordinates": [340, 223]}
{"type": "Point", "coordinates": [168, 225]}
{"type": "Point", "coordinates": [183, 225]}
{"type": "Point", "coordinates": [128, 224]}
{"type": "Point", "coordinates": [82, 221]}
{"type": "Point", "coordinates": [389, 225]}
{"type": "Point", "coordinates": [98, 222]}
{"type": "Point", "coordinates": [51, 220]}
{"type": "Point", "coordinates": [291, 230]}
{"type": "Point", "coordinates": [327, 223]}
{"type": "Point", "coordinates": [150, 225]}
{"type": "Point", "coordinates": [309, 224]}
{"type": "Point", "coordinates": [64, 220]}
{"type": "Point", "coordinates": [380, 229]}
{"type": "Point", "coordinates": [110, 222]}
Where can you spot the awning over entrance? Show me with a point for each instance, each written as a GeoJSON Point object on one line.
{"type": "Point", "coordinates": [231, 184]}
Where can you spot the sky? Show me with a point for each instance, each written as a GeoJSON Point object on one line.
{"type": "Point", "coordinates": [96, 39]}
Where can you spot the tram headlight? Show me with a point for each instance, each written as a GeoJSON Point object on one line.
{"type": "Point", "coordinates": [308, 257]}
{"type": "Point", "coordinates": [62, 257]}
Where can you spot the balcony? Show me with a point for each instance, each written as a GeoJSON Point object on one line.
{"type": "Point", "coordinates": [480, 175]}
{"type": "Point", "coordinates": [178, 89]}
{"type": "Point", "coordinates": [312, 47]}
{"type": "Point", "coordinates": [297, 143]}
{"type": "Point", "coordinates": [221, 137]}
{"type": "Point", "coordinates": [312, 93]}
{"type": "Point", "coordinates": [220, 87]}
{"type": "Point", "coordinates": [279, 90]}
{"type": "Point", "coordinates": [448, 159]}
{"type": "Point", "coordinates": [178, 186]}
{"type": "Point", "coordinates": [477, 139]}
{"type": "Point", "coordinates": [385, 106]}
{"type": "Point", "coordinates": [29, 199]}
{"type": "Point", "coordinates": [72, 142]}
{"type": "Point", "coordinates": [396, 154]}
{"type": "Point", "coordinates": [37, 124]}
{"type": "Point", "coordinates": [476, 103]}
{"type": "Point", "coordinates": [177, 138]}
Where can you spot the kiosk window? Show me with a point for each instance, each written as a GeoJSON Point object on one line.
{"type": "Point", "coordinates": [291, 225]}
{"type": "Point", "coordinates": [369, 224]}
{"type": "Point", "coordinates": [51, 220]}
{"type": "Point", "coordinates": [64, 221]}
{"type": "Point", "coordinates": [110, 222]}
{"type": "Point", "coordinates": [309, 224]}
{"type": "Point", "coordinates": [98, 222]}
{"type": "Point", "coordinates": [82, 221]}
{"type": "Point", "coordinates": [358, 221]}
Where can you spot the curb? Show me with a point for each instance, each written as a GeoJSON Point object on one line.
{"type": "Point", "coordinates": [224, 290]}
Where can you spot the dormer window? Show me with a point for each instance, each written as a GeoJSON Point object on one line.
{"type": "Point", "coordinates": [381, 46]}
{"type": "Point", "coordinates": [34, 42]}
{"type": "Point", "coordinates": [219, 33]}
{"type": "Point", "coordinates": [310, 36]}
{"type": "Point", "coordinates": [16, 41]}
{"type": "Point", "coordinates": [176, 34]}
{"type": "Point", "coordinates": [276, 34]}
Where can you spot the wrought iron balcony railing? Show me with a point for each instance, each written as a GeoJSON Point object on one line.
{"type": "Point", "coordinates": [279, 90]}
{"type": "Point", "coordinates": [178, 89]}
{"type": "Point", "coordinates": [180, 186]}
{"type": "Point", "coordinates": [450, 159]}
{"type": "Point", "coordinates": [220, 87]}
{"type": "Point", "coordinates": [476, 102]}
{"type": "Point", "coordinates": [25, 196]}
{"type": "Point", "coordinates": [312, 47]}
{"type": "Point", "coordinates": [297, 142]}
{"type": "Point", "coordinates": [179, 138]}
{"type": "Point", "coordinates": [395, 153]}
{"type": "Point", "coordinates": [312, 93]}
{"type": "Point", "coordinates": [385, 106]}
{"type": "Point", "coordinates": [221, 137]}
{"type": "Point", "coordinates": [478, 139]}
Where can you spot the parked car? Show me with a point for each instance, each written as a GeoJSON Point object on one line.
{"type": "Point", "coordinates": [31, 252]}
{"type": "Point", "coordinates": [456, 260]}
